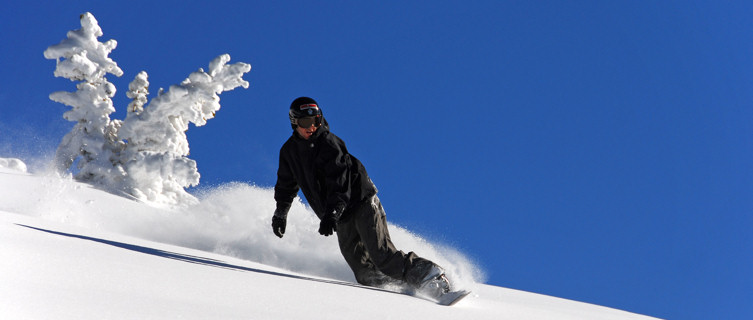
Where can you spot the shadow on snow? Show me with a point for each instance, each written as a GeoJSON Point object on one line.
{"type": "Point", "coordinates": [200, 260]}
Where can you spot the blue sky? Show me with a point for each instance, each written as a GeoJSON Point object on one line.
{"type": "Point", "coordinates": [598, 151]}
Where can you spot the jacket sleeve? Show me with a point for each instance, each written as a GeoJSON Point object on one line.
{"type": "Point", "coordinates": [337, 182]}
{"type": "Point", "coordinates": [286, 187]}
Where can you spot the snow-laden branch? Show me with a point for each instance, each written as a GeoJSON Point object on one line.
{"type": "Point", "coordinates": [194, 100]}
{"type": "Point", "coordinates": [85, 58]}
{"type": "Point", "coordinates": [155, 156]}
{"type": "Point", "coordinates": [138, 90]}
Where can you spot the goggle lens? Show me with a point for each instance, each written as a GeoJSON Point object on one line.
{"type": "Point", "coordinates": [309, 121]}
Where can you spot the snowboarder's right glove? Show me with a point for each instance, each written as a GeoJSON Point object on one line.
{"type": "Point", "coordinates": [278, 225]}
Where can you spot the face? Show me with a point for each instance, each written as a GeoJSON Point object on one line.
{"type": "Point", "coordinates": [306, 133]}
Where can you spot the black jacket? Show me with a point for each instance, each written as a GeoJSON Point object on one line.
{"type": "Point", "coordinates": [321, 166]}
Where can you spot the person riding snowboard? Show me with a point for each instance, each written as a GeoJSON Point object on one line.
{"type": "Point", "coordinates": [342, 195]}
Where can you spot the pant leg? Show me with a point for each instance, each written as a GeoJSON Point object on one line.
{"type": "Point", "coordinates": [367, 248]}
{"type": "Point", "coordinates": [355, 254]}
{"type": "Point", "coordinates": [372, 227]}
{"type": "Point", "coordinates": [409, 268]}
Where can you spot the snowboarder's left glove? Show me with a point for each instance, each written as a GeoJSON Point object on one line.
{"type": "Point", "coordinates": [329, 221]}
{"type": "Point", "coordinates": [328, 225]}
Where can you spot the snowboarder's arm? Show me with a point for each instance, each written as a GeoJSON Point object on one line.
{"type": "Point", "coordinates": [286, 188]}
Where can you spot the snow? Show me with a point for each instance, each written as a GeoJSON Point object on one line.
{"type": "Point", "coordinates": [13, 163]}
{"type": "Point", "coordinates": [71, 251]}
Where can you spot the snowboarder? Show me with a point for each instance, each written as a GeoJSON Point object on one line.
{"type": "Point", "coordinates": [342, 195]}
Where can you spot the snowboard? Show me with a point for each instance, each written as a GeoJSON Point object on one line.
{"type": "Point", "coordinates": [446, 299]}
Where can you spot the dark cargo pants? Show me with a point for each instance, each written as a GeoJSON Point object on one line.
{"type": "Point", "coordinates": [366, 246]}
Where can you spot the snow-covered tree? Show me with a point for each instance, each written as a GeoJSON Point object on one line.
{"type": "Point", "coordinates": [144, 155]}
{"type": "Point", "coordinates": [92, 142]}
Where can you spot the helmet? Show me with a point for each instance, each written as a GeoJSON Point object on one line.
{"type": "Point", "coordinates": [303, 107]}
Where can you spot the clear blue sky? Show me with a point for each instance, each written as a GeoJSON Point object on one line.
{"type": "Point", "coordinates": [599, 151]}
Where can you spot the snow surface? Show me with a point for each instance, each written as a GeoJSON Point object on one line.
{"type": "Point", "coordinates": [71, 251]}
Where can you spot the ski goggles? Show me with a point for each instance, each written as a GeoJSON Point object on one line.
{"type": "Point", "coordinates": [309, 121]}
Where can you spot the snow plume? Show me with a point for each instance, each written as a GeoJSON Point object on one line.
{"type": "Point", "coordinates": [238, 222]}
{"type": "Point", "coordinates": [146, 154]}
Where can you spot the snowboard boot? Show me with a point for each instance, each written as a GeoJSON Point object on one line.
{"type": "Point", "coordinates": [435, 283]}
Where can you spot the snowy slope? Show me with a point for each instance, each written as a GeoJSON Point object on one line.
{"type": "Point", "coordinates": [69, 251]}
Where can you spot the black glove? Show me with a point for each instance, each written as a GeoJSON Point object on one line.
{"type": "Point", "coordinates": [278, 225]}
{"type": "Point", "coordinates": [328, 224]}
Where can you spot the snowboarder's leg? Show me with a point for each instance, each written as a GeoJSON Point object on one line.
{"type": "Point", "coordinates": [366, 245]}
{"type": "Point", "coordinates": [371, 224]}
{"type": "Point", "coordinates": [356, 256]}
{"type": "Point", "coordinates": [420, 273]}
